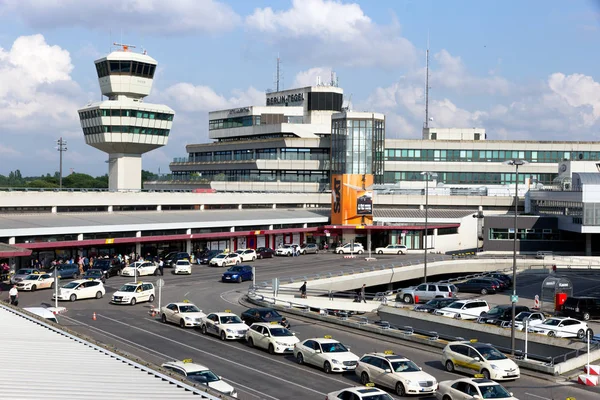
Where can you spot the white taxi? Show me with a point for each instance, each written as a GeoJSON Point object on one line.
{"type": "Point", "coordinates": [271, 336]}
{"type": "Point", "coordinates": [185, 314]}
{"type": "Point", "coordinates": [81, 289]}
{"type": "Point", "coordinates": [472, 388]}
{"type": "Point", "coordinates": [325, 353]}
{"type": "Point", "coordinates": [225, 260]}
{"type": "Point", "coordinates": [182, 267]}
{"type": "Point", "coordinates": [142, 267]}
{"type": "Point", "coordinates": [134, 292]}
{"type": "Point", "coordinates": [226, 325]}
{"type": "Point", "coordinates": [485, 359]}
{"type": "Point", "coordinates": [395, 372]}
{"type": "Point", "coordinates": [366, 392]}
{"type": "Point", "coordinates": [36, 281]}
{"type": "Point", "coordinates": [246, 254]}
{"type": "Point", "coordinates": [200, 374]}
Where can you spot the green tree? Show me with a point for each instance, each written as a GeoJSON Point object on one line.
{"type": "Point", "coordinates": [41, 183]}
{"type": "Point", "coordinates": [77, 180]}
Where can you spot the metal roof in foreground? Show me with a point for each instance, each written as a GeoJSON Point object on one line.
{"type": "Point", "coordinates": [43, 362]}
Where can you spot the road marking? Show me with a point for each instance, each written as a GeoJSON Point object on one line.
{"type": "Point", "coordinates": [223, 358]}
{"type": "Point", "coordinates": [150, 351]}
{"type": "Point", "coordinates": [539, 397]}
{"type": "Point", "coordinates": [227, 301]}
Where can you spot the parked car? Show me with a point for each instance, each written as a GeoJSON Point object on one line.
{"type": "Point", "coordinates": [182, 267]}
{"type": "Point", "coordinates": [134, 292]}
{"type": "Point", "coordinates": [110, 267]}
{"type": "Point", "coordinates": [224, 260]}
{"type": "Point", "coordinates": [499, 275]}
{"type": "Point", "coordinates": [81, 289]}
{"type": "Point", "coordinates": [501, 313]}
{"type": "Point", "coordinates": [94, 274]}
{"type": "Point", "coordinates": [434, 304]}
{"type": "Point", "coordinates": [425, 292]}
{"type": "Point", "coordinates": [392, 249]}
{"type": "Point", "coordinates": [246, 254]}
{"type": "Point", "coordinates": [468, 388]}
{"type": "Point", "coordinates": [261, 314]}
{"type": "Point", "coordinates": [202, 375]}
{"type": "Point", "coordinates": [533, 318]}
{"type": "Point", "coordinates": [36, 281]}
{"type": "Point", "coordinates": [464, 309]}
{"type": "Point", "coordinates": [350, 248]}
{"type": "Point", "coordinates": [207, 256]}
{"type": "Point", "coordinates": [479, 358]}
{"type": "Point", "coordinates": [171, 259]}
{"type": "Point", "coordinates": [265, 252]}
{"type": "Point", "coordinates": [238, 273]}
{"type": "Point", "coordinates": [581, 307]}
{"type": "Point", "coordinates": [272, 337]}
{"type": "Point", "coordinates": [67, 271]}
{"type": "Point", "coordinates": [479, 285]}
{"type": "Point", "coordinates": [287, 250]}
{"type": "Point", "coordinates": [140, 268]}
{"type": "Point", "coordinates": [184, 314]}
{"type": "Point", "coordinates": [326, 353]}
{"type": "Point", "coordinates": [563, 327]}
{"type": "Point", "coordinates": [309, 248]}
{"type": "Point", "coordinates": [22, 274]}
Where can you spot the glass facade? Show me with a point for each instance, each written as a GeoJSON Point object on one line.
{"type": "Point", "coordinates": [524, 234]}
{"type": "Point", "coordinates": [245, 175]}
{"type": "Point", "coordinates": [286, 153]}
{"type": "Point", "coordinates": [325, 101]}
{"type": "Point", "coordinates": [251, 120]}
{"type": "Point", "coordinates": [496, 156]}
{"type": "Point", "coordinates": [357, 147]}
{"type": "Point", "coordinates": [471, 178]}
{"type": "Point", "coordinates": [124, 67]}
{"type": "Point", "coordinates": [125, 129]}
{"type": "Point", "coordinates": [117, 112]}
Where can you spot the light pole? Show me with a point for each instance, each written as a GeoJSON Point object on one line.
{"type": "Point", "coordinates": [427, 175]}
{"type": "Point", "coordinates": [62, 147]}
{"type": "Point", "coordinates": [513, 299]}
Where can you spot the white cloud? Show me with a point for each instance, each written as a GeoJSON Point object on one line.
{"type": "Point", "coordinates": [150, 16]}
{"type": "Point", "coordinates": [309, 77]}
{"type": "Point", "coordinates": [187, 97]}
{"type": "Point", "coordinates": [8, 151]}
{"type": "Point", "coordinates": [333, 31]}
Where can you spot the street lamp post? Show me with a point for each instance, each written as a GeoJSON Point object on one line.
{"type": "Point", "coordinates": [62, 147]}
{"type": "Point", "coordinates": [513, 300]}
{"type": "Point", "coordinates": [427, 175]}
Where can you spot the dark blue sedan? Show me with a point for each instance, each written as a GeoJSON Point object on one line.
{"type": "Point", "coordinates": [238, 273]}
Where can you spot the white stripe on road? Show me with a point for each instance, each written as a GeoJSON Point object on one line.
{"type": "Point", "coordinates": [166, 357]}
{"type": "Point", "coordinates": [539, 397]}
{"type": "Point", "coordinates": [223, 358]}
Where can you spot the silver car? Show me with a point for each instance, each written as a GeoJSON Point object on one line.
{"type": "Point", "coordinates": [425, 292]}
{"type": "Point", "coordinates": [22, 274]}
{"type": "Point", "coordinates": [309, 248]}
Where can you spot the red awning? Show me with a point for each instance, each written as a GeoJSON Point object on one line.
{"type": "Point", "coordinates": [389, 227]}
{"type": "Point", "coordinates": [7, 250]}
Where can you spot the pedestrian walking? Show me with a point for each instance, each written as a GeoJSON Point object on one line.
{"type": "Point", "coordinates": [303, 291]}
{"type": "Point", "coordinates": [13, 294]}
{"type": "Point", "coordinates": [161, 265]}
{"type": "Point", "coordinates": [362, 293]}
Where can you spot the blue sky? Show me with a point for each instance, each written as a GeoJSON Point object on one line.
{"type": "Point", "coordinates": [521, 69]}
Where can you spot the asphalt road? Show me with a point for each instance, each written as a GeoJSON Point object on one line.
{"type": "Point", "coordinates": [255, 373]}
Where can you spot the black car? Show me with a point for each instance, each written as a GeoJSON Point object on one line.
{"type": "Point", "coordinates": [500, 276]}
{"type": "Point", "coordinates": [207, 256]}
{"type": "Point", "coordinates": [261, 314]}
{"type": "Point", "coordinates": [110, 267]}
{"type": "Point", "coordinates": [434, 304]}
{"type": "Point", "coordinates": [499, 314]}
{"type": "Point", "coordinates": [479, 285]}
{"type": "Point", "coordinates": [581, 308]}
{"type": "Point", "coordinates": [171, 259]}
{"type": "Point", "coordinates": [264, 252]}
{"type": "Point", "coordinates": [94, 274]}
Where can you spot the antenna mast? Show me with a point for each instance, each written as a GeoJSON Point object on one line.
{"type": "Point", "coordinates": [277, 76]}
{"type": "Point", "coordinates": [427, 84]}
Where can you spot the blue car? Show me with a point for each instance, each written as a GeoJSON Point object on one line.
{"type": "Point", "coordinates": [238, 273]}
{"type": "Point", "coordinates": [67, 271]}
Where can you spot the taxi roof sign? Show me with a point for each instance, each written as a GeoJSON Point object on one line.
{"type": "Point", "coordinates": [274, 323]}
{"type": "Point", "coordinates": [328, 337]}
{"type": "Point", "coordinates": [473, 340]}
{"type": "Point", "coordinates": [227, 310]}
{"type": "Point", "coordinates": [479, 376]}
{"type": "Point", "coordinates": [187, 361]}
{"type": "Point", "coordinates": [369, 384]}
{"type": "Point", "coordinates": [186, 301]}
{"type": "Point", "coordinates": [388, 352]}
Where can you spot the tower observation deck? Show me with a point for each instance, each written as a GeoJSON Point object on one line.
{"type": "Point", "coordinates": [124, 126]}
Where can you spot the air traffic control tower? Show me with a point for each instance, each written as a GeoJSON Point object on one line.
{"type": "Point", "coordinates": [123, 125]}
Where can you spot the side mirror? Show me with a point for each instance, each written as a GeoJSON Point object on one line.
{"type": "Point", "coordinates": [217, 322]}
{"type": "Point", "coordinates": [317, 351]}
{"type": "Point", "coordinates": [387, 370]}
{"type": "Point", "coordinates": [476, 358]}
{"type": "Point", "coordinates": [421, 368]}
{"type": "Point", "coordinates": [266, 334]}
{"type": "Point", "coordinates": [294, 333]}
{"type": "Point", "coordinates": [476, 396]}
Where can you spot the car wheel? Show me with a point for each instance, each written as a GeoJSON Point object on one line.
{"type": "Point", "coordinates": [449, 366]}
{"type": "Point", "coordinates": [133, 301]}
{"type": "Point", "coordinates": [457, 316]}
{"type": "Point", "coordinates": [271, 349]}
{"type": "Point", "coordinates": [98, 294]}
{"type": "Point", "coordinates": [399, 252]}
{"type": "Point", "coordinates": [586, 316]}
{"type": "Point", "coordinates": [380, 252]}
{"type": "Point", "coordinates": [484, 291]}
{"type": "Point", "coordinates": [580, 334]}
{"type": "Point", "coordinates": [327, 367]}
{"type": "Point", "coordinates": [260, 256]}
{"type": "Point", "coordinates": [364, 378]}
{"type": "Point", "coordinates": [400, 391]}
{"type": "Point", "coordinates": [156, 272]}
{"type": "Point", "coordinates": [485, 373]}
{"type": "Point", "coordinates": [250, 342]}
{"type": "Point", "coordinates": [590, 333]}
{"type": "Point", "coordinates": [253, 258]}
{"type": "Point", "coordinates": [204, 331]}
{"type": "Point", "coordinates": [239, 279]}
{"type": "Point", "coordinates": [359, 252]}
{"type": "Point", "coordinates": [33, 288]}
{"type": "Point", "coordinates": [181, 323]}
{"type": "Point", "coordinates": [552, 334]}
{"type": "Point", "coordinates": [223, 337]}
{"type": "Point", "coordinates": [52, 285]}
{"type": "Point", "coordinates": [341, 252]}
{"type": "Point", "coordinates": [163, 318]}
{"type": "Point", "coordinates": [316, 251]}
{"type": "Point", "coordinates": [300, 358]}
{"type": "Point", "coordinates": [73, 297]}
{"type": "Point", "coordinates": [446, 397]}
{"type": "Point", "coordinates": [74, 276]}
{"type": "Point", "coordinates": [151, 298]}
{"type": "Point", "coordinates": [407, 299]}
{"type": "Point", "coordinates": [238, 262]}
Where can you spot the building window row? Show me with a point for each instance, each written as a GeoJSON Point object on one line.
{"type": "Point", "coordinates": [554, 207]}
{"type": "Point", "coordinates": [487, 155]}
{"type": "Point", "coordinates": [123, 67]}
{"type": "Point", "coordinates": [252, 120]}
{"type": "Point", "coordinates": [469, 178]}
{"type": "Point", "coordinates": [303, 154]}
{"type": "Point", "coordinates": [524, 234]}
{"type": "Point", "coordinates": [254, 176]}
{"type": "Point", "coordinates": [125, 129]}
{"type": "Point", "coordinates": [117, 112]}
{"type": "Point", "coordinates": [256, 137]}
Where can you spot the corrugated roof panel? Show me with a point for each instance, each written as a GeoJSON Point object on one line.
{"type": "Point", "coordinates": [42, 362]}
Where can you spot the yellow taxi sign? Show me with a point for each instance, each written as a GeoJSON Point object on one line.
{"type": "Point", "coordinates": [328, 337]}
{"type": "Point", "coordinates": [274, 323]}
{"type": "Point", "coordinates": [227, 310]}
{"type": "Point", "coordinates": [479, 376]}
{"type": "Point", "coordinates": [388, 352]}
{"type": "Point", "coordinates": [473, 340]}
{"type": "Point", "coordinates": [187, 361]}
{"type": "Point", "coordinates": [186, 301]}
{"type": "Point", "coordinates": [369, 384]}
{"type": "Point", "coordinates": [570, 398]}
{"type": "Point", "coordinates": [139, 282]}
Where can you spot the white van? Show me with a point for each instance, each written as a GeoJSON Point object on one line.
{"type": "Point", "coordinates": [42, 312]}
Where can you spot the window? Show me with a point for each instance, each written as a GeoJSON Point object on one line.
{"type": "Point", "coordinates": [463, 350]}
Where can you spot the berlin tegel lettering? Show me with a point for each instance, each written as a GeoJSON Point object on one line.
{"type": "Point", "coordinates": [290, 98]}
{"type": "Point", "coordinates": [337, 188]}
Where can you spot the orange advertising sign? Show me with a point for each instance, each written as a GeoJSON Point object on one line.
{"type": "Point", "coordinates": [350, 203]}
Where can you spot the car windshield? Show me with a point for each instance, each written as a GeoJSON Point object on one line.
{"type": "Point", "coordinates": [379, 396]}
{"type": "Point", "coordinates": [128, 288]}
{"type": "Point", "coordinates": [230, 319]}
{"type": "Point", "coordinates": [405, 366]}
{"type": "Point", "coordinates": [32, 277]}
{"type": "Point", "coordinates": [24, 271]}
{"type": "Point", "coordinates": [333, 348]}
{"type": "Point", "coordinates": [552, 322]}
{"type": "Point", "coordinates": [221, 256]}
{"type": "Point", "coordinates": [239, 251]}
{"type": "Point", "coordinates": [269, 313]}
{"type": "Point", "coordinates": [71, 285]}
{"type": "Point", "coordinates": [490, 353]}
{"type": "Point", "coordinates": [456, 304]}
{"type": "Point", "coordinates": [236, 269]}
{"type": "Point", "coordinates": [91, 272]}
{"type": "Point", "coordinates": [203, 376]}
{"type": "Point", "coordinates": [189, 308]}
{"type": "Point", "coordinates": [279, 332]}
{"type": "Point", "coordinates": [286, 246]}
{"type": "Point", "coordinates": [522, 316]}
{"type": "Point", "coordinates": [496, 310]}
{"type": "Point", "coordinates": [494, 392]}
{"type": "Point", "coordinates": [101, 263]}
